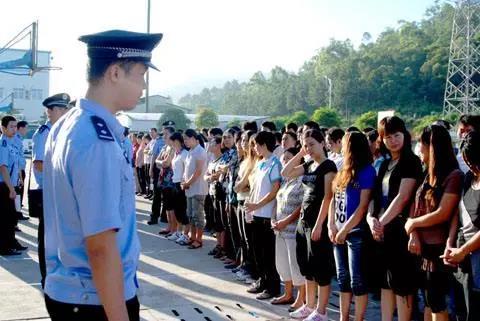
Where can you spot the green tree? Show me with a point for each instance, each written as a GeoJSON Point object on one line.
{"type": "Point", "coordinates": [327, 117]}
{"type": "Point", "coordinates": [403, 69]}
{"type": "Point", "coordinates": [177, 115]}
{"type": "Point", "coordinates": [234, 122]}
{"type": "Point", "coordinates": [206, 117]}
{"type": "Point", "coordinates": [279, 121]}
{"type": "Point", "coordinates": [299, 118]}
{"type": "Point", "coordinates": [368, 119]}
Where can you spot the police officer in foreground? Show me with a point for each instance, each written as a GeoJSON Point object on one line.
{"type": "Point", "coordinates": [91, 243]}
{"type": "Point", "coordinates": [55, 107]}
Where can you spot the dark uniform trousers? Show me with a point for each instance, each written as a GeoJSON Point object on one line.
{"type": "Point", "coordinates": [60, 311]}
{"type": "Point", "coordinates": [8, 219]}
{"type": "Point", "coordinates": [157, 208]}
{"type": "Point", "coordinates": [41, 245]}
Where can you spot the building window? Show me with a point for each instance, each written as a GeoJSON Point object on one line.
{"type": "Point", "coordinates": [36, 94]}
{"type": "Point", "coordinates": [18, 93]}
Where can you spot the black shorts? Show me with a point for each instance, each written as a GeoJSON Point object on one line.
{"type": "Point", "coordinates": [315, 258]}
{"type": "Point", "coordinates": [436, 282]}
{"type": "Point", "coordinates": [399, 268]}
{"type": "Point", "coordinates": [174, 200]}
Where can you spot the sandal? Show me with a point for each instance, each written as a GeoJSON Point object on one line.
{"type": "Point", "coordinates": [195, 245]}
{"type": "Point", "coordinates": [163, 232]}
{"type": "Point", "coordinates": [282, 301]}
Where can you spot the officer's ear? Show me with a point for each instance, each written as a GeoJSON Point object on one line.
{"type": "Point", "coordinates": [114, 72]}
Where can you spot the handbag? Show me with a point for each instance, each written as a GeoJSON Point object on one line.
{"type": "Point", "coordinates": [35, 198]}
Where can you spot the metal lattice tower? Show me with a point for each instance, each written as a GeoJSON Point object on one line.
{"type": "Point", "coordinates": [462, 92]}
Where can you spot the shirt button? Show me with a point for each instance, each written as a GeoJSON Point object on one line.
{"type": "Point", "coordinates": [75, 310]}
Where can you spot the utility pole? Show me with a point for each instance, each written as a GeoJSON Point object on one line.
{"type": "Point", "coordinates": [462, 90]}
{"type": "Point", "coordinates": [329, 82]}
{"type": "Point", "coordinates": [147, 76]}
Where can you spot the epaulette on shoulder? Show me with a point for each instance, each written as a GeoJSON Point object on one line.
{"type": "Point", "coordinates": [43, 128]}
{"type": "Point", "coordinates": [101, 128]}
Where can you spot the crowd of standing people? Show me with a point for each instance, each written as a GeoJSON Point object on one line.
{"type": "Point", "coordinates": [378, 210]}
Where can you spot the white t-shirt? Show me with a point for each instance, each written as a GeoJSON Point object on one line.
{"type": "Point", "coordinates": [178, 165]}
{"type": "Point", "coordinates": [267, 172]}
{"type": "Point", "coordinates": [200, 186]}
{"type": "Point", "coordinates": [278, 151]}
{"type": "Point", "coordinates": [337, 159]}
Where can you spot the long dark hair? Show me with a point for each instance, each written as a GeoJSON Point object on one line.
{"type": "Point", "coordinates": [179, 138]}
{"type": "Point", "coordinates": [317, 135]}
{"type": "Point", "coordinates": [356, 156]}
{"type": "Point", "coordinates": [442, 160]}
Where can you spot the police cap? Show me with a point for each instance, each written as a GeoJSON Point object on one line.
{"type": "Point", "coordinates": [120, 44]}
{"type": "Point", "coordinates": [58, 100]}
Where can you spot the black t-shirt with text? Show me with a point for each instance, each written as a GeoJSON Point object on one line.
{"type": "Point", "coordinates": [314, 189]}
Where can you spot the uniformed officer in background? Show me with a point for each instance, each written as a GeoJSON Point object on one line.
{"type": "Point", "coordinates": [55, 107]}
{"type": "Point", "coordinates": [91, 242]}
{"type": "Point", "coordinates": [22, 129]}
{"type": "Point", "coordinates": [9, 180]}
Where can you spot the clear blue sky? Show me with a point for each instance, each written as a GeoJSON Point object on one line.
{"type": "Point", "coordinates": [205, 42]}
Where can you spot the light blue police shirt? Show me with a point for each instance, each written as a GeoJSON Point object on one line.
{"type": "Point", "coordinates": [87, 189]}
{"type": "Point", "coordinates": [22, 162]}
{"type": "Point", "coordinates": [157, 148]}
{"type": "Point", "coordinates": [39, 140]}
{"type": "Point", "coordinates": [9, 158]}
{"type": "Point", "coordinates": [128, 148]}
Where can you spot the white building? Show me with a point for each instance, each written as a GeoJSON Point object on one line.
{"type": "Point", "coordinates": [142, 122]}
{"type": "Point", "coordinates": [26, 92]}
{"type": "Point", "coordinates": [157, 104]}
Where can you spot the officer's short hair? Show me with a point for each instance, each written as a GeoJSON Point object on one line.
{"type": "Point", "coordinates": [7, 119]}
{"type": "Point", "coordinates": [154, 129]}
{"type": "Point", "coordinates": [22, 124]}
{"type": "Point", "coordinates": [96, 68]}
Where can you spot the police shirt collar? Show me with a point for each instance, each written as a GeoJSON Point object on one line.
{"type": "Point", "coordinates": [100, 111]}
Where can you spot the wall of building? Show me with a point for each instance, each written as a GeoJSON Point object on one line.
{"type": "Point", "coordinates": [28, 92]}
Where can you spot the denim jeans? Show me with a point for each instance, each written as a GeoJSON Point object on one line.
{"type": "Point", "coordinates": [349, 264]}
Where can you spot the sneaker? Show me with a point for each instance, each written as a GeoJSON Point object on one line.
{"type": "Point", "coordinates": [249, 280]}
{"type": "Point", "coordinates": [174, 236]}
{"type": "Point", "coordinates": [241, 276]}
{"type": "Point", "coordinates": [302, 312]}
{"type": "Point", "coordinates": [265, 295]}
{"type": "Point", "coordinates": [182, 240]}
{"type": "Point", "coordinates": [317, 316]}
